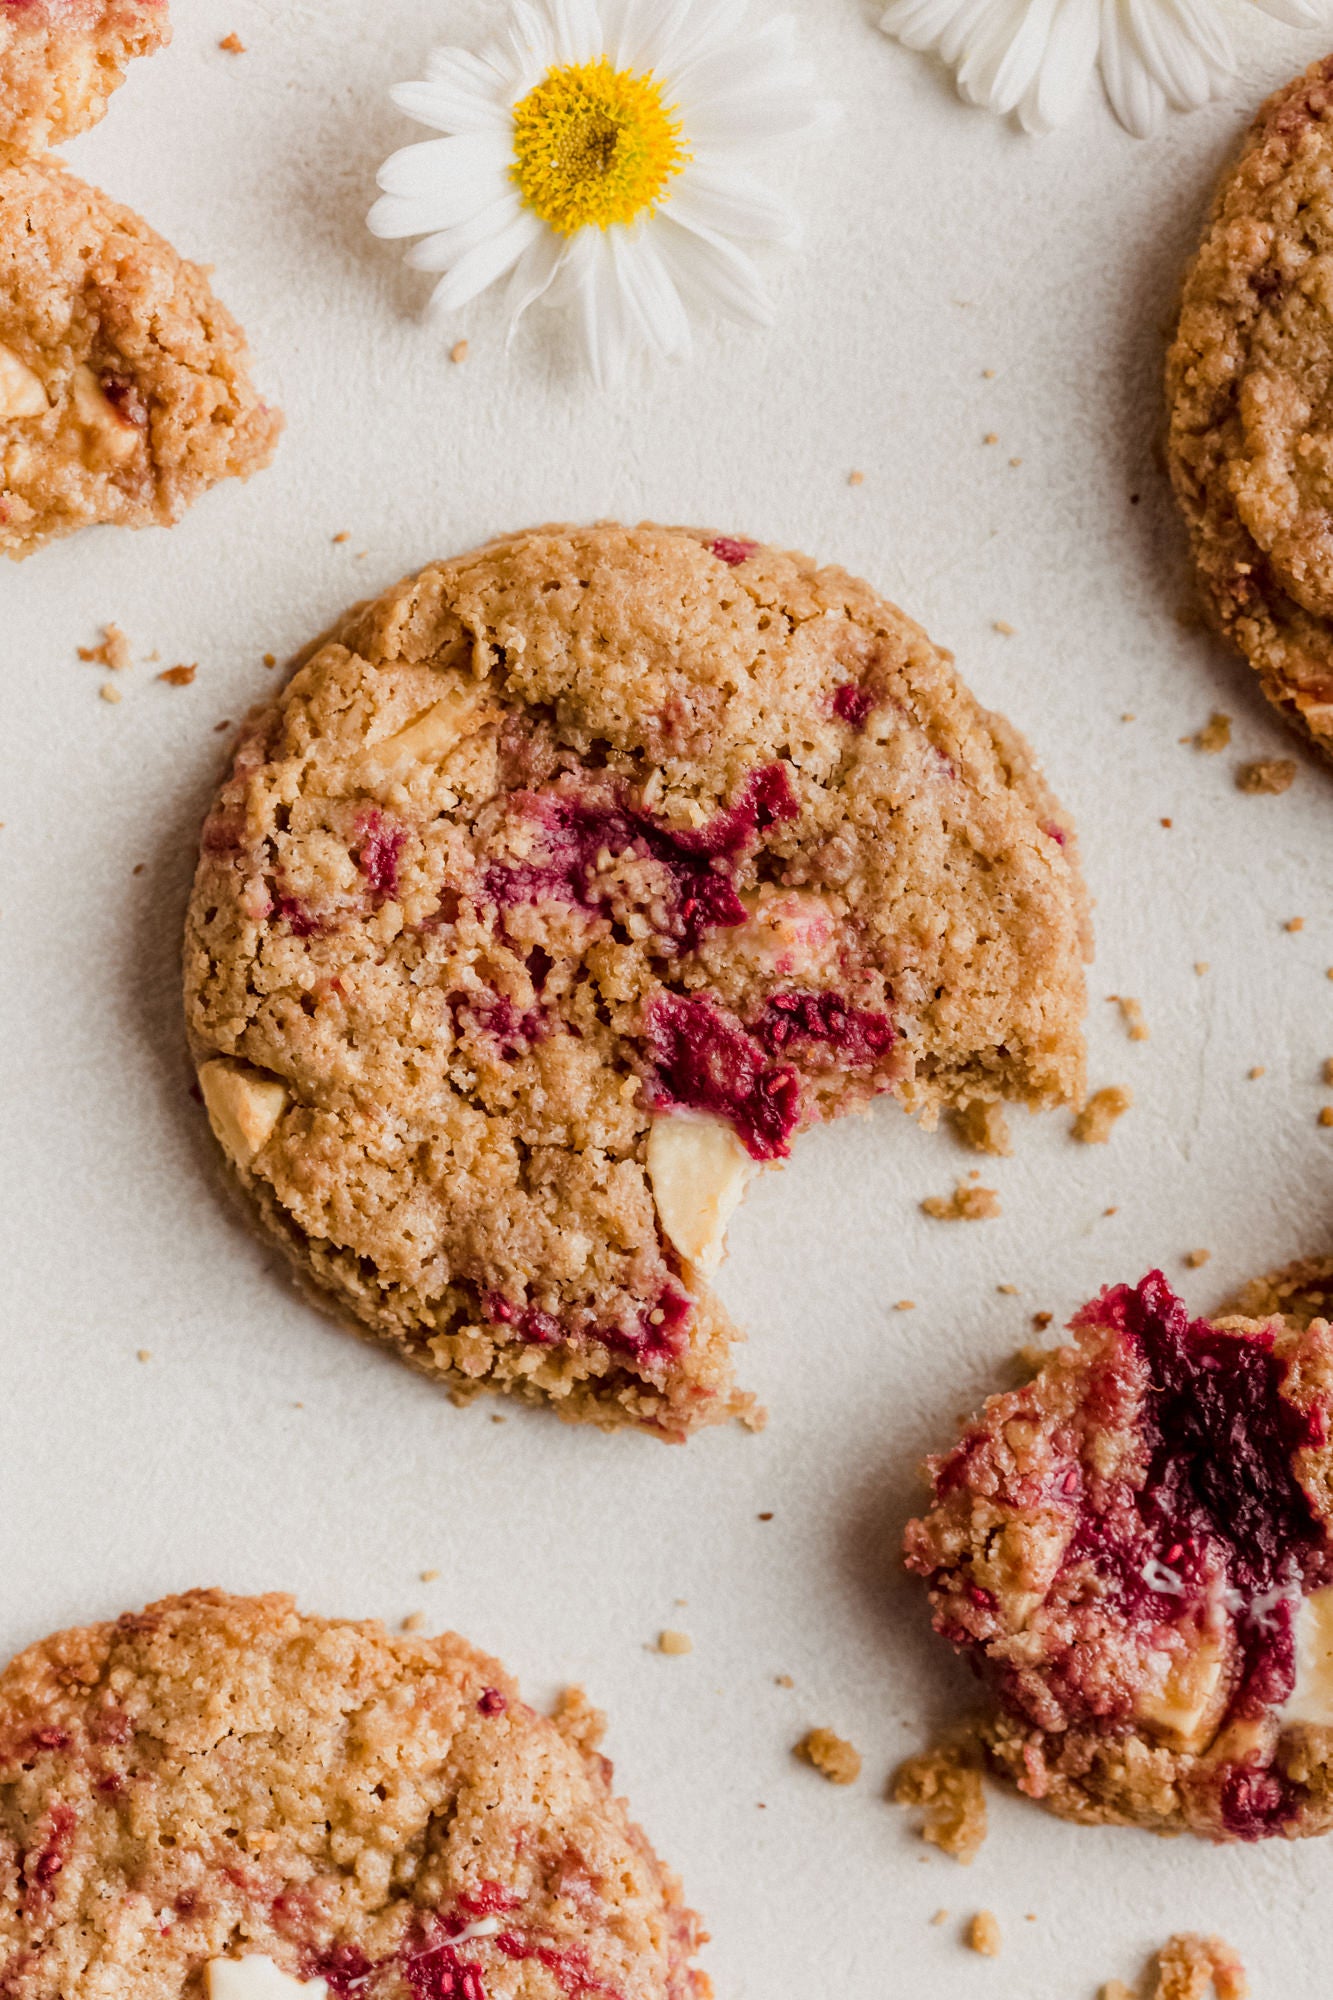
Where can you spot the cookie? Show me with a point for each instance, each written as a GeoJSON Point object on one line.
{"type": "Point", "coordinates": [1134, 1552]}
{"type": "Point", "coordinates": [60, 60]}
{"type": "Point", "coordinates": [1250, 392]}
{"type": "Point", "coordinates": [1300, 1292]}
{"type": "Point", "coordinates": [124, 384]}
{"type": "Point", "coordinates": [219, 1796]}
{"type": "Point", "coordinates": [564, 886]}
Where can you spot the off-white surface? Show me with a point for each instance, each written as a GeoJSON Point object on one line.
{"type": "Point", "coordinates": [258, 1448]}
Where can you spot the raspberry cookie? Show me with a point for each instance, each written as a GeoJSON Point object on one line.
{"type": "Point", "coordinates": [60, 60]}
{"type": "Point", "coordinates": [568, 883]}
{"type": "Point", "coordinates": [124, 384]}
{"type": "Point", "coordinates": [217, 1796]}
{"type": "Point", "coordinates": [1250, 387]}
{"type": "Point", "coordinates": [1134, 1550]}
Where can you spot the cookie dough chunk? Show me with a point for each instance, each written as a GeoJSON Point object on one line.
{"type": "Point", "coordinates": [558, 891]}
{"type": "Point", "coordinates": [1250, 389]}
{"type": "Point", "coordinates": [124, 384]}
{"type": "Point", "coordinates": [218, 1796]}
{"type": "Point", "coordinates": [1134, 1550]}
{"type": "Point", "coordinates": [60, 60]}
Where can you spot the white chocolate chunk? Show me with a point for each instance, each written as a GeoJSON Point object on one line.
{"type": "Point", "coordinates": [255, 1978]}
{"type": "Point", "coordinates": [21, 392]}
{"type": "Point", "coordinates": [243, 1107]}
{"type": "Point", "coordinates": [101, 423]}
{"type": "Point", "coordinates": [1311, 1699]}
{"type": "Point", "coordinates": [427, 738]}
{"type": "Point", "coordinates": [1186, 1708]}
{"type": "Point", "coordinates": [698, 1169]}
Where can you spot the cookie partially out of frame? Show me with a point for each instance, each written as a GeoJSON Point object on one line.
{"type": "Point", "coordinates": [221, 1797]}
{"type": "Point", "coordinates": [125, 389]}
{"type": "Point", "coordinates": [565, 885]}
{"type": "Point", "coordinates": [1250, 390]}
{"type": "Point", "coordinates": [60, 61]}
{"type": "Point", "coordinates": [1135, 1550]}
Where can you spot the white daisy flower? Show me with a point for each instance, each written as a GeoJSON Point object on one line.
{"type": "Point", "coordinates": [599, 156]}
{"type": "Point", "coordinates": [1035, 56]}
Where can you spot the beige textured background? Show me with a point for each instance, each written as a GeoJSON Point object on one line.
{"type": "Point", "coordinates": [258, 1448]}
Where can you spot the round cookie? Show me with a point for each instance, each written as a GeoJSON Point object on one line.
{"type": "Point", "coordinates": [1250, 392]}
{"type": "Point", "coordinates": [124, 384]}
{"type": "Point", "coordinates": [566, 884]}
{"type": "Point", "coordinates": [1134, 1551]}
{"type": "Point", "coordinates": [60, 60]}
{"type": "Point", "coordinates": [218, 1796]}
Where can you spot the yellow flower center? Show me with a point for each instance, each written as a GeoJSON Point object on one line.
{"type": "Point", "coordinates": [594, 144]}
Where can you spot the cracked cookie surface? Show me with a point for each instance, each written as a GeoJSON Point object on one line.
{"type": "Point", "coordinates": [221, 1778]}
{"type": "Point", "coordinates": [60, 61]}
{"type": "Point", "coordinates": [1134, 1551]}
{"type": "Point", "coordinates": [124, 383]}
{"type": "Point", "coordinates": [562, 887]}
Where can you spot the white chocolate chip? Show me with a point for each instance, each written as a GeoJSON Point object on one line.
{"type": "Point", "coordinates": [21, 392]}
{"type": "Point", "coordinates": [255, 1978]}
{"type": "Point", "coordinates": [105, 431]}
{"type": "Point", "coordinates": [243, 1107]}
{"type": "Point", "coordinates": [1311, 1699]}
{"type": "Point", "coordinates": [1186, 1708]}
{"type": "Point", "coordinates": [698, 1169]}
{"type": "Point", "coordinates": [427, 738]}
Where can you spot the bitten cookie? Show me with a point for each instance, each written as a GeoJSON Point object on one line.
{"type": "Point", "coordinates": [218, 1796]}
{"type": "Point", "coordinates": [1250, 389]}
{"type": "Point", "coordinates": [60, 60]}
{"type": "Point", "coordinates": [1134, 1551]}
{"type": "Point", "coordinates": [124, 384]}
{"type": "Point", "coordinates": [568, 883]}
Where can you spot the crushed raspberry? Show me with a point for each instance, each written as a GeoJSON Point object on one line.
{"type": "Point", "coordinates": [569, 1969]}
{"type": "Point", "coordinates": [49, 1739]}
{"type": "Point", "coordinates": [514, 1030]}
{"type": "Point", "coordinates": [733, 552]}
{"type": "Point", "coordinates": [381, 843]}
{"type": "Point", "coordinates": [491, 1702]}
{"type": "Point", "coordinates": [1055, 833]}
{"type": "Point", "coordinates": [1255, 1804]}
{"type": "Point", "coordinates": [852, 704]}
{"type": "Point", "coordinates": [858, 1037]}
{"type": "Point", "coordinates": [489, 1899]}
{"type": "Point", "coordinates": [223, 832]}
{"type": "Point", "coordinates": [657, 1335]}
{"type": "Point", "coordinates": [300, 921]}
{"type": "Point", "coordinates": [344, 1967]}
{"type": "Point", "coordinates": [543, 1328]}
{"type": "Point", "coordinates": [438, 1973]}
{"type": "Point", "coordinates": [705, 1060]}
{"type": "Point", "coordinates": [122, 392]}
{"type": "Point", "coordinates": [40, 1869]}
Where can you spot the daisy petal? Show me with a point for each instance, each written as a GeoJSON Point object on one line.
{"type": "Point", "coordinates": [446, 108]}
{"type": "Point", "coordinates": [1071, 55]}
{"type": "Point", "coordinates": [457, 174]}
{"type": "Point", "coordinates": [1297, 13]}
{"type": "Point", "coordinates": [654, 303]}
{"type": "Point", "coordinates": [533, 275]}
{"type": "Point", "coordinates": [484, 264]}
{"type": "Point", "coordinates": [712, 274]}
{"type": "Point", "coordinates": [727, 201]}
{"type": "Point", "coordinates": [448, 247]}
{"type": "Point", "coordinates": [1136, 99]}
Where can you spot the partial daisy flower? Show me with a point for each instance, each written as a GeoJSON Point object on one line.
{"type": "Point", "coordinates": [1035, 56]}
{"type": "Point", "coordinates": [599, 156]}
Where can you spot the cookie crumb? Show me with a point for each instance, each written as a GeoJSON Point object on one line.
{"type": "Point", "coordinates": [144, 1354]}
{"type": "Point", "coordinates": [991, 437]}
{"type": "Point", "coordinates": [965, 1204]}
{"type": "Point", "coordinates": [1326, 1115]}
{"type": "Point", "coordinates": [1015, 461]}
{"type": "Point", "coordinates": [1187, 1968]}
{"type": "Point", "coordinates": [109, 692]}
{"type": "Point", "coordinates": [856, 479]}
{"type": "Point", "coordinates": [988, 374]}
{"type": "Point", "coordinates": [414, 1621]}
{"type": "Point", "coordinates": [1093, 1125]}
{"type": "Point", "coordinates": [1010, 1291]}
{"type": "Point", "coordinates": [1294, 924]}
{"type": "Point", "coordinates": [1255, 1073]}
{"type": "Point", "coordinates": [458, 352]}
{"type": "Point", "coordinates": [232, 44]}
{"type": "Point", "coordinates": [1168, 823]}
{"type": "Point", "coordinates": [983, 1934]}
{"type": "Point", "coordinates": [983, 1127]}
{"type": "Point", "coordinates": [940, 1917]}
{"type": "Point", "coordinates": [429, 1575]}
{"type": "Point", "coordinates": [1131, 1013]}
{"type": "Point", "coordinates": [113, 652]}
{"type": "Point", "coordinates": [1129, 716]}
{"type": "Point", "coordinates": [783, 1681]}
{"type": "Point", "coordinates": [674, 1643]}
{"type": "Point", "coordinates": [1115, 1989]}
{"type": "Point", "coordinates": [344, 536]}
{"type": "Point", "coordinates": [1215, 734]}
{"type": "Point", "coordinates": [1201, 966]}
{"type": "Point", "coordinates": [270, 659]}
{"type": "Point", "coordinates": [1041, 1321]}
{"type": "Point", "coordinates": [1327, 1071]}
{"type": "Point", "coordinates": [1267, 774]}
{"type": "Point", "coordinates": [1196, 1259]}
{"type": "Point", "coordinates": [179, 677]}
{"type": "Point", "coordinates": [1003, 627]}
{"type": "Point", "coordinates": [905, 1306]}
{"type": "Point", "coordinates": [831, 1755]}
{"type": "Point", "coordinates": [944, 1783]}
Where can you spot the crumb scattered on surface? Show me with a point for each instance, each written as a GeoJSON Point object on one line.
{"type": "Point", "coordinates": [1215, 734]}
{"type": "Point", "coordinates": [1255, 1073]}
{"type": "Point", "coordinates": [270, 659]}
{"type": "Point", "coordinates": [1010, 1291]}
{"type": "Point", "coordinates": [1003, 627]}
{"type": "Point", "coordinates": [984, 1127]}
{"type": "Point", "coordinates": [1131, 1013]}
{"type": "Point", "coordinates": [1326, 1115]}
{"type": "Point", "coordinates": [965, 1204]}
{"type": "Point", "coordinates": [1267, 774]}
{"type": "Point", "coordinates": [1042, 1320]}
{"type": "Point", "coordinates": [940, 1917]}
{"type": "Point", "coordinates": [458, 352]}
{"type": "Point", "coordinates": [113, 652]}
{"type": "Point", "coordinates": [179, 677]}
{"type": "Point", "coordinates": [1201, 966]}
{"type": "Point", "coordinates": [905, 1306]}
{"type": "Point", "coordinates": [345, 535]}
{"type": "Point", "coordinates": [1196, 1259]}
{"type": "Point", "coordinates": [1294, 924]}
{"type": "Point", "coordinates": [856, 479]}
{"type": "Point", "coordinates": [1188, 1967]}
{"type": "Point", "coordinates": [144, 1354]}
{"type": "Point", "coordinates": [232, 44]}
{"type": "Point", "coordinates": [766, 1517]}
{"type": "Point", "coordinates": [944, 1784]}
{"type": "Point", "coordinates": [414, 1621]}
{"type": "Point", "coordinates": [983, 1934]}
{"type": "Point", "coordinates": [831, 1755]}
{"type": "Point", "coordinates": [109, 691]}
{"type": "Point", "coordinates": [429, 1575]}
{"type": "Point", "coordinates": [1116, 1989]}
{"type": "Point", "coordinates": [783, 1681]}
{"type": "Point", "coordinates": [1129, 716]}
{"type": "Point", "coordinates": [674, 1643]}
{"type": "Point", "coordinates": [1094, 1123]}
{"type": "Point", "coordinates": [1168, 823]}
{"type": "Point", "coordinates": [991, 437]}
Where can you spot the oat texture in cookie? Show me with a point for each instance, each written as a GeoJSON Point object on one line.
{"type": "Point", "coordinates": [558, 891]}
{"type": "Point", "coordinates": [1250, 390]}
{"type": "Point", "coordinates": [218, 1796]}
{"type": "Point", "coordinates": [124, 384]}
{"type": "Point", "coordinates": [60, 60]}
{"type": "Point", "coordinates": [1134, 1550]}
